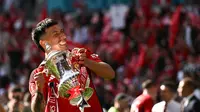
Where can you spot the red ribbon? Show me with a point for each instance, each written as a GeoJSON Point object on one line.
{"type": "Point", "coordinates": [52, 102]}
{"type": "Point", "coordinates": [74, 92]}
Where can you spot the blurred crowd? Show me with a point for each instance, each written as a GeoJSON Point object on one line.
{"type": "Point", "coordinates": [155, 40]}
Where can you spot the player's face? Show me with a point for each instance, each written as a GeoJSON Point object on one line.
{"type": "Point", "coordinates": [182, 89]}
{"type": "Point", "coordinates": [165, 93]}
{"type": "Point", "coordinates": [56, 38]}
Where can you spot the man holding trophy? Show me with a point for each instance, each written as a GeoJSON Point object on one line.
{"type": "Point", "coordinates": [61, 83]}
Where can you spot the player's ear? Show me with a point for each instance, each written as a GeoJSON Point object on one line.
{"type": "Point", "coordinates": [45, 45]}
{"type": "Point", "coordinates": [42, 43]}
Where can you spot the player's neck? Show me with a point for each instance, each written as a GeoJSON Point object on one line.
{"type": "Point", "coordinates": [146, 92]}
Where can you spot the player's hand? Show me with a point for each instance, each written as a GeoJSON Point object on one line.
{"type": "Point", "coordinates": [82, 56]}
{"type": "Point", "coordinates": [39, 80]}
{"type": "Point", "coordinates": [12, 104]}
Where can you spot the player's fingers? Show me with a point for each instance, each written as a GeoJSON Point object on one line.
{"type": "Point", "coordinates": [83, 54]}
{"type": "Point", "coordinates": [81, 58]}
{"type": "Point", "coordinates": [38, 77]}
{"type": "Point", "coordinates": [82, 50]}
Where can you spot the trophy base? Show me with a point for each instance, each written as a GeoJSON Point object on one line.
{"type": "Point", "coordinates": [86, 95]}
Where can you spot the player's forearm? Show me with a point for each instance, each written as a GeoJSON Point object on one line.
{"type": "Point", "coordinates": [101, 69]}
{"type": "Point", "coordinates": [37, 104]}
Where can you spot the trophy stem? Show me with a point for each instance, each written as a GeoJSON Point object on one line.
{"type": "Point", "coordinates": [83, 103]}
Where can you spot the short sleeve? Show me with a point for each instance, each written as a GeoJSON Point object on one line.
{"type": "Point", "coordinates": [89, 54]}
{"type": "Point", "coordinates": [148, 105]}
{"type": "Point", "coordinates": [93, 56]}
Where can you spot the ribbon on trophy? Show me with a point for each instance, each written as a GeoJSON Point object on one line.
{"type": "Point", "coordinates": [52, 103]}
{"type": "Point", "coordinates": [82, 70]}
{"type": "Point", "coordinates": [83, 79]}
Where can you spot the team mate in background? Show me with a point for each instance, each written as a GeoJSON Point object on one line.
{"type": "Point", "coordinates": [167, 94]}
{"type": "Point", "coordinates": [190, 102]}
{"type": "Point", "coordinates": [145, 101]}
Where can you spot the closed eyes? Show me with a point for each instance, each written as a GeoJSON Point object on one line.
{"type": "Point", "coordinates": [58, 33]}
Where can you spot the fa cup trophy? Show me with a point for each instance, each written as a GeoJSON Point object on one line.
{"type": "Point", "coordinates": [73, 78]}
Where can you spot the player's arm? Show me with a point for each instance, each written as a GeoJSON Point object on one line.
{"type": "Point", "coordinates": [37, 103]}
{"type": "Point", "coordinates": [36, 87]}
{"type": "Point", "coordinates": [101, 69]}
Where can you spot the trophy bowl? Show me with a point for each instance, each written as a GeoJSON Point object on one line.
{"type": "Point", "coordinates": [70, 85]}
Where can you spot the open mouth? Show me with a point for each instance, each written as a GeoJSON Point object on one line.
{"type": "Point", "coordinates": [63, 43]}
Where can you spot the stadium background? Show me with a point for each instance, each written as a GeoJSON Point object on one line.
{"type": "Point", "coordinates": [140, 39]}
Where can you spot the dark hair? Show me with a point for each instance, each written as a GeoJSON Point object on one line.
{"type": "Point", "coordinates": [40, 30]}
{"type": "Point", "coordinates": [148, 84]}
{"type": "Point", "coordinates": [170, 85]}
{"type": "Point", "coordinates": [189, 82]}
{"type": "Point", "coordinates": [120, 96]}
{"type": "Point", "coordinates": [15, 88]}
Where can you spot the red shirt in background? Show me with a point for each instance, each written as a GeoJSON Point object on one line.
{"type": "Point", "coordinates": [63, 103]}
{"type": "Point", "coordinates": [142, 103]}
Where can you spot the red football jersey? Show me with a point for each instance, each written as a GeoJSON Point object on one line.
{"type": "Point", "coordinates": [62, 104]}
{"type": "Point", "coordinates": [142, 103]}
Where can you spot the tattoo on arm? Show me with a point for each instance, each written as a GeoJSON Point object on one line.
{"type": "Point", "coordinates": [38, 104]}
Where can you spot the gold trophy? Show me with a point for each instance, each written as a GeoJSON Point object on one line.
{"type": "Point", "coordinates": [73, 79]}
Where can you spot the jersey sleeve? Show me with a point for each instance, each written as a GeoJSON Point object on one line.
{"type": "Point", "coordinates": [149, 105]}
{"type": "Point", "coordinates": [93, 56]}
{"type": "Point", "coordinates": [89, 54]}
